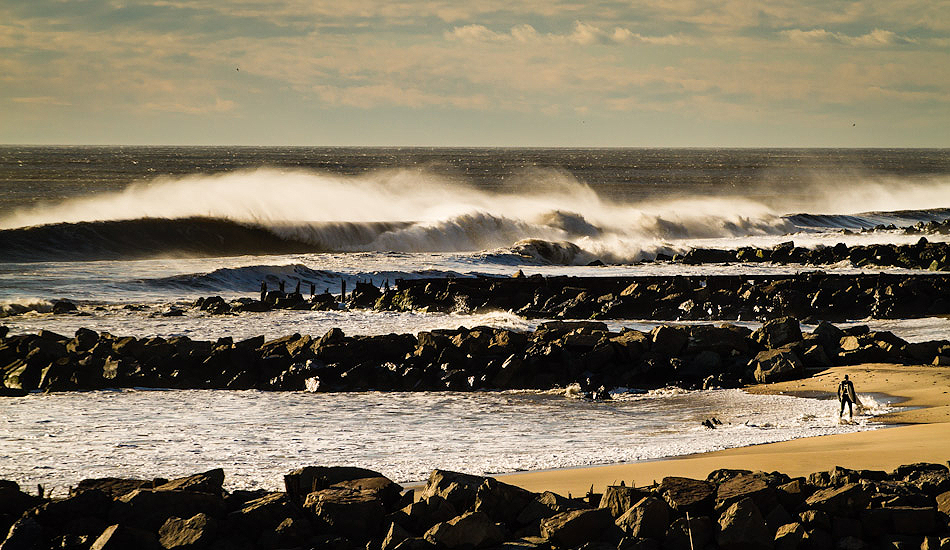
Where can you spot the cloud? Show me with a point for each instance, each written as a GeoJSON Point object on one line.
{"type": "Point", "coordinates": [877, 37]}
{"type": "Point", "coordinates": [583, 34]}
{"type": "Point", "coordinates": [218, 106]}
{"type": "Point", "coordinates": [376, 95]}
{"type": "Point", "coordinates": [41, 100]}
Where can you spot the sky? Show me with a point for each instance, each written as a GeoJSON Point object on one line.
{"type": "Point", "coordinates": [548, 73]}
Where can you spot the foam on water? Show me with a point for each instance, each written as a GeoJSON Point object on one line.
{"type": "Point", "coordinates": [58, 439]}
{"type": "Point", "coordinates": [411, 210]}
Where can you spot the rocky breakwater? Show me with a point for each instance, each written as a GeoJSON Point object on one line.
{"type": "Point", "coordinates": [556, 354]}
{"type": "Point", "coordinates": [354, 508]}
{"type": "Point", "coordinates": [932, 256]}
{"type": "Point", "coordinates": [808, 296]}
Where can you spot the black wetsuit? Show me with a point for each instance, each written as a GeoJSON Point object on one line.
{"type": "Point", "coordinates": [845, 391]}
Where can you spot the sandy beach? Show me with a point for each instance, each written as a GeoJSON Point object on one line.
{"type": "Point", "coordinates": [920, 432]}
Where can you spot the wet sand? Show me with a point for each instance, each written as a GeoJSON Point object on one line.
{"type": "Point", "coordinates": [919, 433]}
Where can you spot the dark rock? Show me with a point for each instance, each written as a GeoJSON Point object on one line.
{"type": "Point", "coordinates": [620, 498]}
{"type": "Point", "coordinates": [648, 518]}
{"type": "Point", "coordinates": [261, 514]}
{"type": "Point", "coordinates": [847, 500]}
{"type": "Point", "coordinates": [63, 306]}
{"type": "Point", "coordinates": [25, 534]}
{"type": "Point", "coordinates": [742, 527]}
{"type": "Point", "coordinates": [688, 495]}
{"type": "Point", "coordinates": [778, 332]}
{"type": "Point", "coordinates": [549, 504]}
{"type": "Point", "coordinates": [149, 509]}
{"type": "Point", "coordinates": [13, 501]}
{"type": "Point", "coordinates": [192, 533]}
{"type": "Point", "coordinates": [301, 482]}
{"type": "Point", "coordinates": [570, 529]}
{"type": "Point", "coordinates": [790, 536]}
{"type": "Point", "coordinates": [502, 502]}
{"type": "Point", "coordinates": [118, 537]}
{"type": "Point", "coordinates": [669, 340]}
{"type": "Point", "coordinates": [422, 514]}
{"type": "Point", "coordinates": [395, 535]}
{"type": "Point", "coordinates": [777, 365]}
{"type": "Point", "coordinates": [458, 489]}
{"type": "Point", "coordinates": [468, 531]}
{"type": "Point", "coordinates": [753, 485]}
{"type": "Point", "coordinates": [388, 492]}
{"type": "Point", "coordinates": [697, 532]}
{"type": "Point", "coordinates": [356, 514]}
{"type": "Point", "coordinates": [816, 519]}
{"type": "Point", "coordinates": [208, 482]}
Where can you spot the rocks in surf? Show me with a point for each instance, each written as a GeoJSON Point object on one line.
{"type": "Point", "coordinates": [556, 354]}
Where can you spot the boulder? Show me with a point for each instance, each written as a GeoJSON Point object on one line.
{"type": "Point", "coordinates": [688, 495]}
{"type": "Point", "coordinates": [943, 503]}
{"type": "Point", "coordinates": [422, 514]}
{"type": "Point", "coordinates": [262, 514]}
{"type": "Point", "coordinates": [754, 485]}
{"type": "Point", "coordinates": [776, 333]}
{"type": "Point", "coordinates": [648, 518]}
{"type": "Point", "coordinates": [150, 509]}
{"type": "Point", "coordinates": [301, 482]}
{"type": "Point", "coordinates": [620, 498]}
{"type": "Point", "coordinates": [790, 536]}
{"type": "Point", "coordinates": [906, 520]}
{"type": "Point", "coordinates": [669, 340]}
{"type": "Point", "coordinates": [847, 500]}
{"type": "Point", "coordinates": [192, 533]}
{"type": "Point", "coordinates": [742, 527]}
{"type": "Point", "coordinates": [356, 514]}
{"type": "Point", "coordinates": [458, 489]}
{"type": "Point", "coordinates": [208, 482]}
{"type": "Point", "coordinates": [293, 533]}
{"type": "Point", "coordinates": [776, 365]}
{"type": "Point", "coordinates": [466, 532]}
{"type": "Point", "coordinates": [13, 501]}
{"type": "Point", "coordinates": [570, 529]}
{"type": "Point", "coordinates": [25, 534]}
{"type": "Point", "coordinates": [502, 502]}
{"type": "Point", "coordinates": [549, 504]}
{"type": "Point", "coordinates": [395, 535]}
{"type": "Point", "coordinates": [698, 532]}
{"type": "Point", "coordinates": [118, 537]}
{"type": "Point", "coordinates": [387, 491]}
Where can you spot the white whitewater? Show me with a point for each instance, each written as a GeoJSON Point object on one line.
{"type": "Point", "coordinates": [59, 439]}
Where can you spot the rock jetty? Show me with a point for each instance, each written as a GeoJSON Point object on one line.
{"type": "Point", "coordinates": [808, 296]}
{"type": "Point", "coordinates": [556, 354]}
{"type": "Point", "coordinates": [349, 508]}
{"type": "Point", "coordinates": [932, 256]}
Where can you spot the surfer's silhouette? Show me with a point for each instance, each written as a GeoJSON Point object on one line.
{"type": "Point", "coordinates": [263, 291]}
{"type": "Point", "coordinates": [846, 395]}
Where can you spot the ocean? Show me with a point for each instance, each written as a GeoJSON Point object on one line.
{"type": "Point", "coordinates": [129, 232]}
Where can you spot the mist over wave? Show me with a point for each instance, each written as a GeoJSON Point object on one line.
{"type": "Point", "coordinates": [548, 216]}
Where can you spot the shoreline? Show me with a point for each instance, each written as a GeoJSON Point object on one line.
{"type": "Point", "coordinates": [919, 432]}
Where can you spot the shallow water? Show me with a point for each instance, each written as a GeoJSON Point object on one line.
{"type": "Point", "coordinates": [59, 439]}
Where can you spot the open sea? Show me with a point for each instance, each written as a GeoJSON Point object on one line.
{"type": "Point", "coordinates": [128, 232]}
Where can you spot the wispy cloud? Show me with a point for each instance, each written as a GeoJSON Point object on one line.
{"type": "Point", "coordinates": [40, 100]}
{"type": "Point", "coordinates": [582, 34]}
{"type": "Point", "coordinates": [877, 37]}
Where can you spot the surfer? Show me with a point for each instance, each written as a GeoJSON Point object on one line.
{"type": "Point", "coordinates": [263, 291]}
{"type": "Point", "coordinates": [846, 395]}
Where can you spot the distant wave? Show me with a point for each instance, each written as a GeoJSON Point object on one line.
{"type": "Point", "coordinates": [868, 220]}
{"type": "Point", "coordinates": [162, 237]}
{"type": "Point", "coordinates": [559, 221]}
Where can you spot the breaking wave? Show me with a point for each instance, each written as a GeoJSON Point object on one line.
{"type": "Point", "coordinates": [551, 219]}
